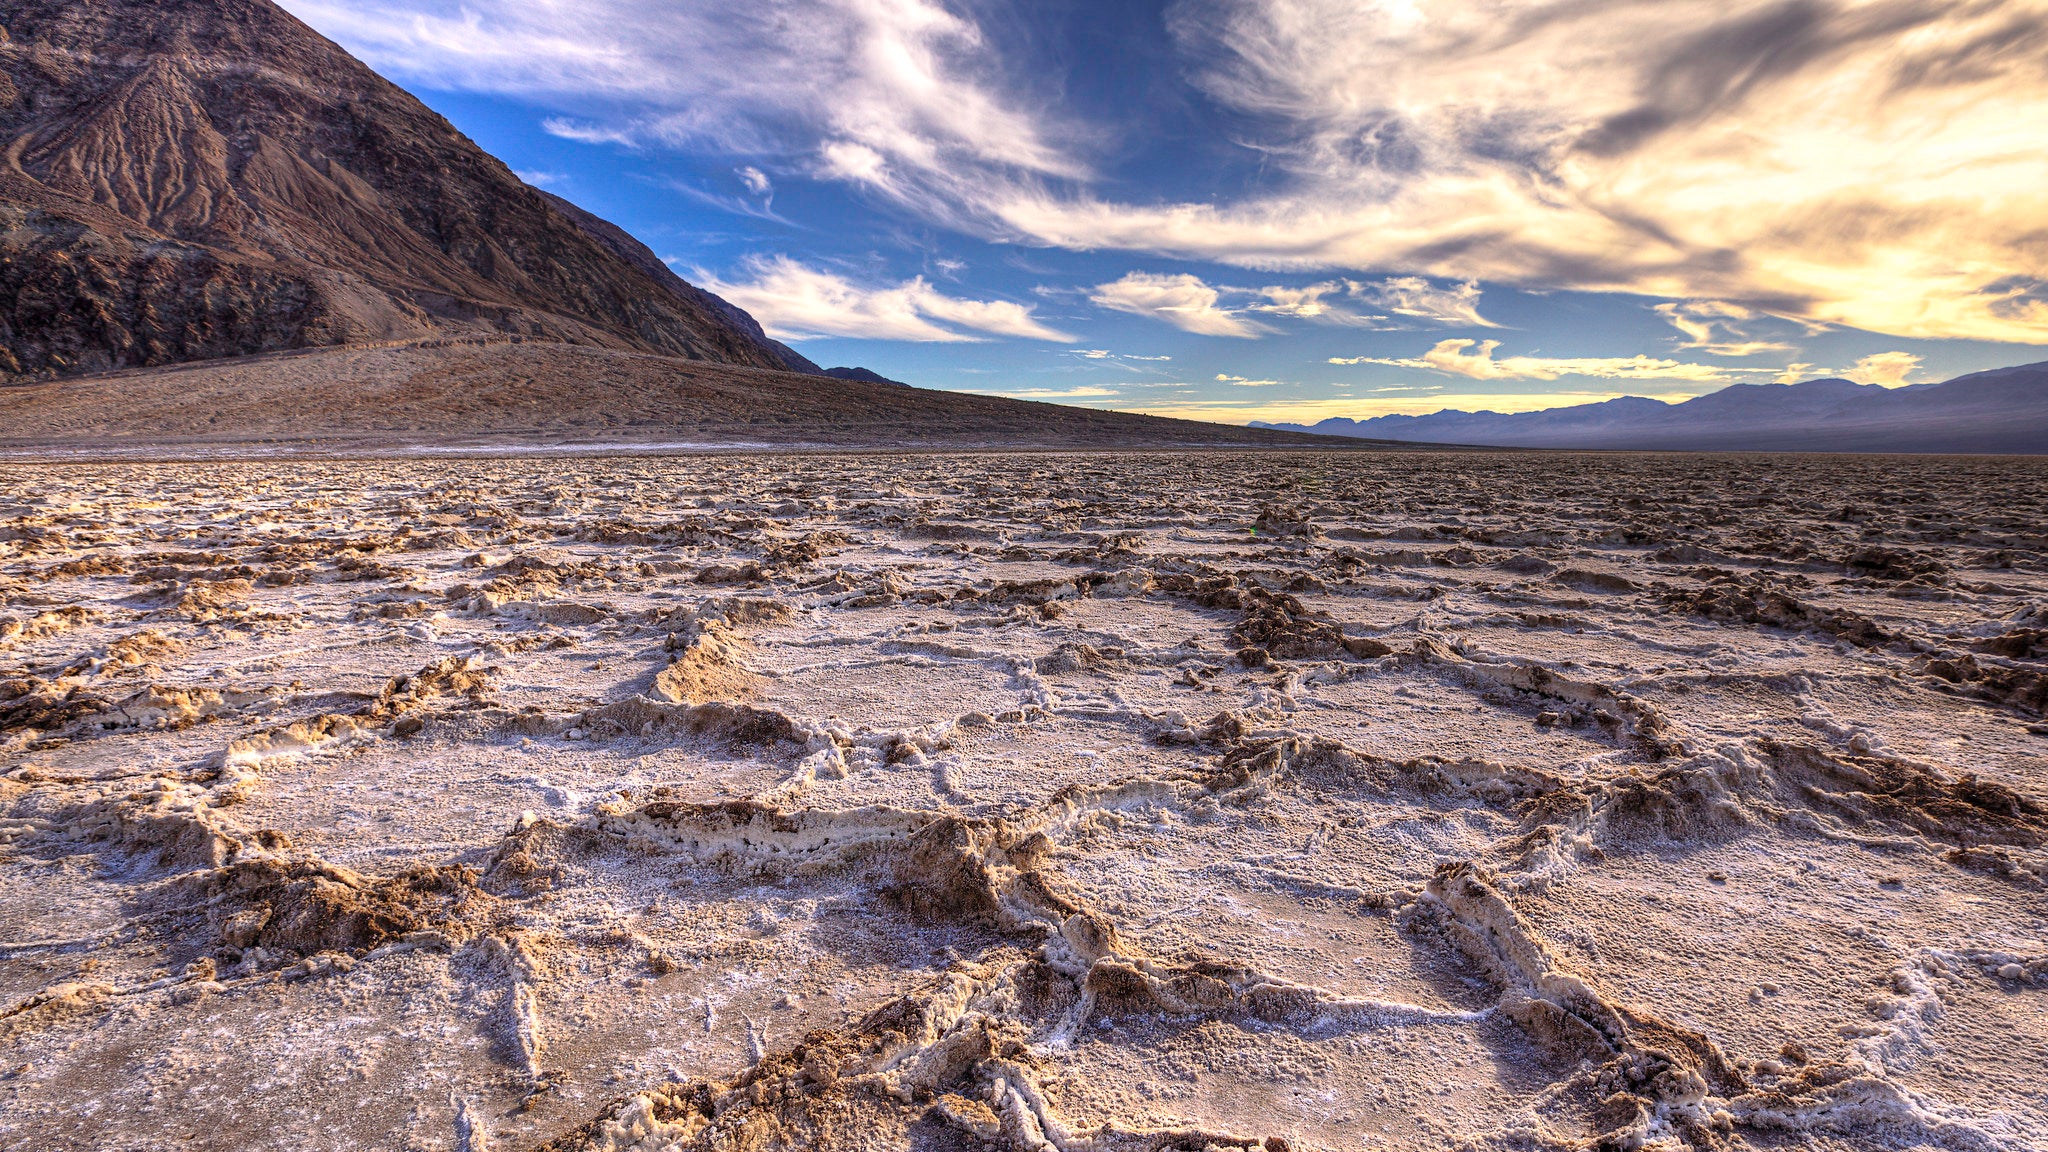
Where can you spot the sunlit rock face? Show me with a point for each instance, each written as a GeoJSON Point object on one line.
{"type": "Point", "coordinates": [1160, 801]}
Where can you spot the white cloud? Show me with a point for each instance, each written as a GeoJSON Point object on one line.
{"type": "Point", "coordinates": [1189, 303]}
{"type": "Point", "coordinates": [1123, 361]}
{"type": "Point", "coordinates": [1001, 317]}
{"type": "Point", "coordinates": [1306, 303]}
{"type": "Point", "coordinates": [1418, 299]}
{"type": "Point", "coordinates": [1242, 382]}
{"type": "Point", "coordinates": [1183, 301]}
{"type": "Point", "coordinates": [584, 133]}
{"type": "Point", "coordinates": [1411, 298]}
{"type": "Point", "coordinates": [1452, 357]}
{"type": "Point", "coordinates": [541, 179]}
{"type": "Point", "coordinates": [853, 163]}
{"type": "Point", "coordinates": [756, 180]}
{"type": "Point", "coordinates": [1890, 369]}
{"type": "Point", "coordinates": [796, 302]}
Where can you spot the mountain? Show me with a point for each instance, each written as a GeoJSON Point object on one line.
{"type": "Point", "coordinates": [863, 375]}
{"type": "Point", "coordinates": [191, 179]}
{"type": "Point", "coordinates": [2000, 411]}
{"type": "Point", "coordinates": [621, 243]}
{"type": "Point", "coordinates": [516, 394]}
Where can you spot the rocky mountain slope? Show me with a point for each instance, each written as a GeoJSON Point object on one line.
{"type": "Point", "coordinates": [190, 179]}
{"type": "Point", "coordinates": [2001, 411]}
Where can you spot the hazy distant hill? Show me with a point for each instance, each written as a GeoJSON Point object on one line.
{"type": "Point", "coordinates": [192, 179]}
{"type": "Point", "coordinates": [516, 394]}
{"type": "Point", "coordinates": [2001, 411]}
{"type": "Point", "coordinates": [863, 375]}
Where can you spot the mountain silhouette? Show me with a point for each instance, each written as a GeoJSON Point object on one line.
{"type": "Point", "coordinates": [2000, 411]}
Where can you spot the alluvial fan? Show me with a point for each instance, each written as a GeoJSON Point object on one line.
{"type": "Point", "coordinates": [1164, 802]}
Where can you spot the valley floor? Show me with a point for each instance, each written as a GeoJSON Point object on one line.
{"type": "Point", "coordinates": [1136, 801]}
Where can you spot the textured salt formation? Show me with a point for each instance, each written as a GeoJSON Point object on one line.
{"type": "Point", "coordinates": [1022, 802]}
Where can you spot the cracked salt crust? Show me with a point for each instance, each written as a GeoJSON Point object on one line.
{"type": "Point", "coordinates": [1085, 802]}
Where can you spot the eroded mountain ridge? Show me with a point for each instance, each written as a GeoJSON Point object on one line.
{"type": "Point", "coordinates": [195, 179]}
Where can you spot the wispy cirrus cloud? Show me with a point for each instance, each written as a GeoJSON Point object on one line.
{"type": "Point", "coordinates": [794, 301]}
{"type": "Point", "coordinates": [1123, 362]}
{"type": "Point", "coordinates": [583, 132]}
{"type": "Point", "coordinates": [1082, 392]}
{"type": "Point", "coordinates": [1715, 327]}
{"type": "Point", "coordinates": [760, 208]}
{"type": "Point", "coordinates": [902, 96]}
{"type": "Point", "coordinates": [1415, 298]}
{"type": "Point", "coordinates": [1106, 354]}
{"type": "Point", "coordinates": [1459, 358]}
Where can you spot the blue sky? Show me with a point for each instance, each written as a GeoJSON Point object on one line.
{"type": "Point", "coordinates": [1293, 209]}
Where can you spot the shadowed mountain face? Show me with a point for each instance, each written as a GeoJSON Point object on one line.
{"type": "Point", "coordinates": [188, 179]}
{"type": "Point", "coordinates": [2002, 411]}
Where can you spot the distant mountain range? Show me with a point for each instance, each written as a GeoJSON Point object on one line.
{"type": "Point", "coordinates": [2001, 411]}
{"type": "Point", "coordinates": [195, 179]}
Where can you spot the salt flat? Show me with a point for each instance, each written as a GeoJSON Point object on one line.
{"type": "Point", "coordinates": [1132, 801]}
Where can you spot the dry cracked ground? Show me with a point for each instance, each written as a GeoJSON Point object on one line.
{"type": "Point", "coordinates": [1132, 802]}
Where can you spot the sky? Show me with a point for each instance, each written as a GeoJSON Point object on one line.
{"type": "Point", "coordinates": [1287, 210]}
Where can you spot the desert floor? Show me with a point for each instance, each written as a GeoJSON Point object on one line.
{"type": "Point", "coordinates": [1347, 801]}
